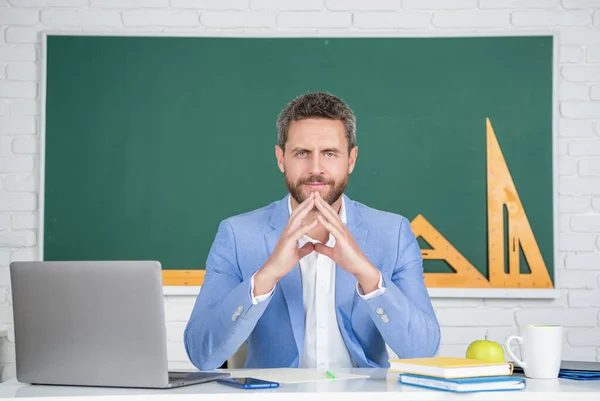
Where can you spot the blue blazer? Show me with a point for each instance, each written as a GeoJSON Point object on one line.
{"type": "Point", "coordinates": [224, 316]}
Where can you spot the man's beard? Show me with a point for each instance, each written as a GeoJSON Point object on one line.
{"type": "Point", "coordinates": [333, 195]}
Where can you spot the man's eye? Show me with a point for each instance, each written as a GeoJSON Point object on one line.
{"type": "Point", "coordinates": [301, 153]}
{"type": "Point", "coordinates": [329, 154]}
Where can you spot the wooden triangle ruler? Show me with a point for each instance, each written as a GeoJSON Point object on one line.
{"type": "Point", "coordinates": [501, 192]}
{"type": "Point", "coordinates": [466, 276]}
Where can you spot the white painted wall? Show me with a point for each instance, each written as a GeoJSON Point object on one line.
{"type": "Point", "coordinates": [462, 320]}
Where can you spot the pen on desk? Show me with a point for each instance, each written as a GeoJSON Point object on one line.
{"type": "Point", "coordinates": [329, 374]}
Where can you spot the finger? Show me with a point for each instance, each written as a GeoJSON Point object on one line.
{"type": "Point", "coordinates": [296, 235]}
{"type": "Point", "coordinates": [304, 204]}
{"type": "Point", "coordinates": [306, 249]}
{"type": "Point", "coordinates": [335, 231]}
{"type": "Point", "coordinates": [329, 213]}
{"type": "Point", "coordinates": [300, 213]}
{"type": "Point", "coordinates": [296, 220]}
{"type": "Point", "coordinates": [324, 250]}
{"type": "Point", "coordinates": [326, 208]}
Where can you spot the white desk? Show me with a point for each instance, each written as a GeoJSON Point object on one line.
{"type": "Point", "coordinates": [380, 386]}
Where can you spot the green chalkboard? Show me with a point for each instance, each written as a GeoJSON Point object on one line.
{"type": "Point", "coordinates": [151, 141]}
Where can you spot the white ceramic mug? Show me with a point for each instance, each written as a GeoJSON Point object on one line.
{"type": "Point", "coordinates": [541, 350]}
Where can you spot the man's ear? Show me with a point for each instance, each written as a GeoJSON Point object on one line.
{"type": "Point", "coordinates": [352, 159]}
{"type": "Point", "coordinates": [279, 156]}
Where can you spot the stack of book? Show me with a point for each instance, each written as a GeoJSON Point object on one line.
{"type": "Point", "coordinates": [457, 374]}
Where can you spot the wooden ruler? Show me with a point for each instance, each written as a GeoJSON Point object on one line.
{"type": "Point", "coordinates": [466, 276]}
{"type": "Point", "coordinates": [501, 192]}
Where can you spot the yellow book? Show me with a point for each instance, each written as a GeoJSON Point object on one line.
{"type": "Point", "coordinates": [450, 368]}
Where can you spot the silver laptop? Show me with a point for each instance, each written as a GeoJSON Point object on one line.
{"type": "Point", "coordinates": [93, 324]}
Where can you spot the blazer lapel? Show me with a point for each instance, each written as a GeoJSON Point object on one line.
{"type": "Point", "coordinates": [291, 283]}
{"type": "Point", "coordinates": [345, 284]}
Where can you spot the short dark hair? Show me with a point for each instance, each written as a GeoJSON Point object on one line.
{"type": "Point", "coordinates": [316, 105]}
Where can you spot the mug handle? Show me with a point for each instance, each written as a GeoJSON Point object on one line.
{"type": "Point", "coordinates": [510, 353]}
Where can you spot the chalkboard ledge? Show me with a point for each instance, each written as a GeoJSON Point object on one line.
{"type": "Point", "coordinates": [183, 278]}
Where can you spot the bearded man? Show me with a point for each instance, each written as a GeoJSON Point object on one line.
{"type": "Point", "coordinates": [314, 280]}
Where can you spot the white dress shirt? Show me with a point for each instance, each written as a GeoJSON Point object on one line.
{"type": "Point", "coordinates": [324, 346]}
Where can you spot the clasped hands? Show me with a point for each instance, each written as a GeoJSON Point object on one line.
{"type": "Point", "coordinates": [346, 252]}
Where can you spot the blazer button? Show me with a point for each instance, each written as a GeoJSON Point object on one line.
{"type": "Point", "coordinates": [379, 311]}
{"type": "Point", "coordinates": [385, 318]}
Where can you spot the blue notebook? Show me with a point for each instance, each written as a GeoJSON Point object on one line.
{"type": "Point", "coordinates": [575, 370]}
{"type": "Point", "coordinates": [467, 385]}
{"type": "Point", "coordinates": [578, 375]}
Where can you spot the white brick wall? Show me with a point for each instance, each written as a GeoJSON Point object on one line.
{"type": "Point", "coordinates": [575, 128]}
{"type": "Point", "coordinates": [571, 54]}
{"type": "Point", "coordinates": [390, 19]}
{"type": "Point", "coordinates": [284, 5]}
{"type": "Point", "coordinates": [314, 19]}
{"type": "Point", "coordinates": [578, 146]}
{"type": "Point", "coordinates": [579, 186]}
{"type": "Point", "coordinates": [569, 91]}
{"type": "Point", "coordinates": [52, 18]}
{"type": "Point", "coordinates": [236, 19]}
{"type": "Point", "coordinates": [20, 34]}
{"type": "Point", "coordinates": [471, 19]}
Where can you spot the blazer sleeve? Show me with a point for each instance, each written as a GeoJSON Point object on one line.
{"type": "Point", "coordinates": [223, 315]}
{"type": "Point", "coordinates": [403, 314]}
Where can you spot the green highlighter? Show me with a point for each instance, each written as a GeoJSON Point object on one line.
{"type": "Point", "coordinates": [329, 374]}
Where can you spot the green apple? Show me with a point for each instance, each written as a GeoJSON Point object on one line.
{"type": "Point", "coordinates": [484, 350]}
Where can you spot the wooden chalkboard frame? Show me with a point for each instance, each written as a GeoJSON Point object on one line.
{"type": "Point", "coordinates": [188, 282]}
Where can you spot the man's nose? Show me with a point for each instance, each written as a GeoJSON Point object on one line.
{"type": "Point", "coordinates": [315, 166]}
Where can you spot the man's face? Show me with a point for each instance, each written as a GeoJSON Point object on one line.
{"type": "Point", "coordinates": [316, 159]}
